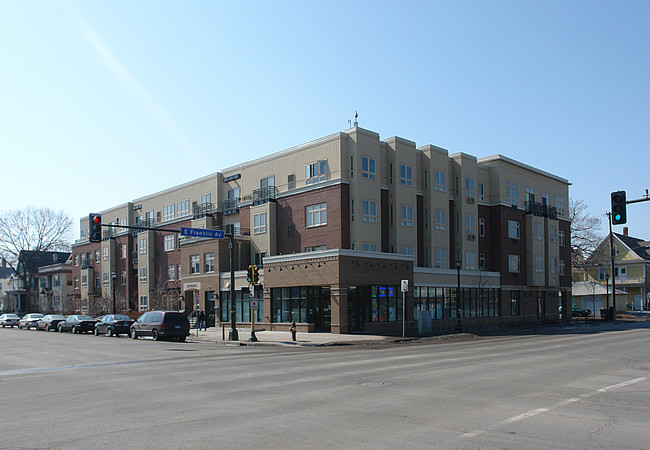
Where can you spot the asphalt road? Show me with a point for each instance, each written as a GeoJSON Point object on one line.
{"type": "Point", "coordinates": [584, 389]}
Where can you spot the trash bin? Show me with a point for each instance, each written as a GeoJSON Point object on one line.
{"type": "Point", "coordinates": [603, 313]}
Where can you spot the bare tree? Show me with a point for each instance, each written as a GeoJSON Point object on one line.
{"type": "Point", "coordinates": [165, 294]}
{"type": "Point", "coordinates": [585, 232]}
{"type": "Point", "coordinates": [32, 229]}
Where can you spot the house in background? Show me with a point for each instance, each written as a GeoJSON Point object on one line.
{"type": "Point", "coordinates": [5, 276]}
{"type": "Point", "coordinates": [592, 295]}
{"type": "Point", "coordinates": [631, 270]}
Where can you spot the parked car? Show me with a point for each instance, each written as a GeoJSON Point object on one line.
{"type": "Point", "coordinates": [161, 324]}
{"type": "Point", "coordinates": [9, 320]}
{"type": "Point", "coordinates": [29, 320]}
{"type": "Point", "coordinates": [113, 325]}
{"type": "Point", "coordinates": [49, 322]}
{"type": "Point", "coordinates": [77, 323]}
{"type": "Point", "coordinates": [579, 312]}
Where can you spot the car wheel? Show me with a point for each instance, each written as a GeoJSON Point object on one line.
{"type": "Point", "coordinates": [134, 334]}
{"type": "Point", "coordinates": [109, 332]}
{"type": "Point", "coordinates": [59, 329]}
{"type": "Point", "coordinates": [96, 332]}
{"type": "Point", "coordinates": [181, 339]}
{"type": "Point", "coordinates": [47, 328]}
{"type": "Point", "coordinates": [74, 330]}
{"type": "Point", "coordinates": [155, 335]}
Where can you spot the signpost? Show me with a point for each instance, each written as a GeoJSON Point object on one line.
{"type": "Point", "coordinates": [405, 288]}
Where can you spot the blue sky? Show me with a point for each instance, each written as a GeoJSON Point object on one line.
{"type": "Point", "coordinates": [104, 102]}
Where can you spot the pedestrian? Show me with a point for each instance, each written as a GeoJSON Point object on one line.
{"type": "Point", "coordinates": [202, 321]}
{"type": "Point", "coordinates": [292, 329]}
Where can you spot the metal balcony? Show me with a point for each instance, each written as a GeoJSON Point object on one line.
{"type": "Point", "coordinates": [264, 195]}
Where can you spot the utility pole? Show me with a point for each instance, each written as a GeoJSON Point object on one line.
{"type": "Point", "coordinates": [611, 254]}
{"type": "Point", "coordinates": [234, 336]}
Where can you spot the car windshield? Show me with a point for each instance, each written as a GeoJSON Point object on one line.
{"type": "Point", "coordinates": [34, 316]}
{"type": "Point", "coordinates": [121, 317]}
{"type": "Point", "coordinates": [12, 316]}
{"type": "Point", "coordinates": [57, 317]}
{"type": "Point", "coordinates": [85, 318]}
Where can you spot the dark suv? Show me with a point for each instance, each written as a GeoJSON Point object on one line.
{"type": "Point", "coordinates": [161, 324]}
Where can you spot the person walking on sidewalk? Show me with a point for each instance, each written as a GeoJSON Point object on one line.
{"type": "Point", "coordinates": [202, 321]}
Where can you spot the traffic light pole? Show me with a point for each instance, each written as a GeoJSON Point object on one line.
{"type": "Point", "coordinates": [234, 336]}
{"type": "Point", "coordinates": [612, 255]}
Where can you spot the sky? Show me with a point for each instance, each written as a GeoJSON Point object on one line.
{"type": "Point", "coordinates": [105, 102]}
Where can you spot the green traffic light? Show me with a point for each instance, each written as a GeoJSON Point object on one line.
{"type": "Point", "coordinates": [617, 217]}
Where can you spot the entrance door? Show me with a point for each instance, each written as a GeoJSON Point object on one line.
{"type": "Point", "coordinates": [210, 309]}
{"type": "Point", "coordinates": [355, 308]}
{"type": "Point", "coordinates": [324, 322]}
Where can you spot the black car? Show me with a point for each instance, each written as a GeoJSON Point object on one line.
{"type": "Point", "coordinates": [77, 323]}
{"type": "Point", "coordinates": [161, 324]}
{"type": "Point", "coordinates": [113, 325]}
{"type": "Point", "coordinates": [579, 312]}
{"type": "Point", "coordinates": [49, 322]}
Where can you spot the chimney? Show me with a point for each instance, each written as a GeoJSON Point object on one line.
{"type": "Point", "coordinates": [625, 230]}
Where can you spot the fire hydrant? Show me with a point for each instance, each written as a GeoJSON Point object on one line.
{"type": "Point", "coordinates": [293, 330]}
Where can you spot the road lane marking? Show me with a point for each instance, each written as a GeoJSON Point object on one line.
{"type": "Point", "coordinates": [565, 402]}
{"type": "Point", "coordinates": [623, 384]}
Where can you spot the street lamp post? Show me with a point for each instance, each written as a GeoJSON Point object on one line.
{"type": "Point", "coordinates": [114, 277]}
{"type": "Point", "coordinates": [459, 315]}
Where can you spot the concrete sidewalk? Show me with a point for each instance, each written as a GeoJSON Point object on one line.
{"type": "Point", "coordinates": [282, 338]}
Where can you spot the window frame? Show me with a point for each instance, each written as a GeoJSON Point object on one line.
{"type": "Point", "coordinates": [319, 211]}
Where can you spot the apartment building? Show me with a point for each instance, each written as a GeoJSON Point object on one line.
{"type": "Point", "coordinates": [336, 225]}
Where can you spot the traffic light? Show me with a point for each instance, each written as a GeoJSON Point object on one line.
{"type": "Point", "coordinates": [95, 227]}
{"type": "Point", "coordinates": [619, 208]}
{"type": "Point", "coordinates": [249, 274]}
{"type": "Point", "coordinates": [256, 275]}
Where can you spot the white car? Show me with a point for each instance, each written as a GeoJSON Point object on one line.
{"type": "Point", "coordinates": [9, 320]}
{"type": "Point", "coordinates": [29, 320]}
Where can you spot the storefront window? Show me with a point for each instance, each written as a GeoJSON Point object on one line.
{"type": "Point", "coordinates": [242, 306]}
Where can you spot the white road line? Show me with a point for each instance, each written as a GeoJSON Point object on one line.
{"type": "Point", "coordinates": [623, 384]}
{"type": "Point", "coordinates": [537, 411]}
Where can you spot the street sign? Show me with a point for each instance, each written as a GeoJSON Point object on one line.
{"type": "Point", "coordinates": [253, 304]}
{"type": "Point", "coordinates": [200, 232]}
{"type": "Point", "coordinates": [405, 285]}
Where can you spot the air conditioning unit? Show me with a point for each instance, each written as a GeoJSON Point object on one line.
{"type": "Point", "coordinates": [469, 199]}
{"type": "Point", "coordinates": [471, 237]}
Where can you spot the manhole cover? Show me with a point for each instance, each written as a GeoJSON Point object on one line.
{"type": "Point", "coordinates": [376, 383]}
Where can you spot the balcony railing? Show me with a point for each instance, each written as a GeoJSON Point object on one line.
{"type": "Point", "coordinates": [230, 206]}
{"type": "Point", "coordinates": [264, 195]}
{"type": "Point", "coordinates": [202, 210]}
{"type": "Point", "coordinates": [541, 209]}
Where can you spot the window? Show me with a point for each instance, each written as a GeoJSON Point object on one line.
{"type": "Point", "coordinates": [513, 229]}
{"type": "Point", "coordinates": [123, 278]}
{"type": "Point", "coordinates": [291, 181]}
{"type": "Point", "coordinates": [426, 180]}
{"type": "Point", "coordinates": [481, 260]}
{"type": "Point", "coordinates": [546, 199]}
{"type": "Point", "coordinates": [406, 250]}
{"type": "Point", "coordinates": [440, 258]}
{"type": "Point", "coordinates": [562, 236]}
{"type": "Point", "coordinates": [169, 242]}
{"type": "Point", "coordinates": [559, 204]}
{"type": "Point", "coordinates": [481, 226]}
{"type": "Point", "coordinates": [259, 223]}
{"type": "Point", "coordinates": [406, 216]}
{"type": "Point", "coordinates": [143, 302]}
{"type": "Point", "coordinates": [352, 210]}
{"type": "Point", "coordinates": [143, 246]}
{"type": "Point", "coordinates": [553, 234]}
{"type": "Point", "coordinates": [351, 166]}
{"type": "Point", "coordinates": [470, 260]}
{"type": "Point", "coordinates": [123, 251]}
{"type": "Point", "coordinates": [369, 211]}
{"type": "Point", "coordinates": [209, 262]}
{"type": "Point", "coordinates": [195, 264]}
{"type": "Point", "coordinates": [143, 274]}
{"type": "Point", "coordinates": [512, 192]}
{"type": "Point", "coordinates": [84, 280]}
{"type": "Point", "coordinates": [76, 260]}
{"type": "Point", "coordinates": [183, 208]}
{"type": "Point", "coordinates": [470, 225]}
{"type": "Point", "coordinates": [601, 274]}
{"type": "Point", "coordinates": [469, 187]}
{"type": "Point", "coordinates": [105, 279]}
{"type": "Point", "coordinates": [406, 175]}
{"type": "Point", "coordinates": [178, 272]}
{"type": "Point", "coordinates": [267, 182]}
{"type": "Point", "coordinates": [171, 272]}
{"type": "Point", "coordinates": [96, 256]}
{"type": "Point", "coordinates": [76, 282]}
{"type": "Point", "coordinates": [105, 253]}
{"type": "Point", "coordinates": [368, 168]}
{"type": "Point", "coordinates": [316, 215]}
{"type": "Point", "coordinates": [539, 231]}
{"type": "Point", "coordinates": [481, 191]}
{"type": "Point", "coordinates": [316, 172]}
{"type": "Point", "coordinates": [530, 194]}
{"type": "Point", "coordinates": [513, 263]}
{"type": "Point", "coordinates": [562, 267]}
{"type": "Point", "coordinates": [316, 248]}
{"type": "Point", "coordinates": [168, 212]}
{"type": "Point", "coordinates": [291, 230]}
{"type": "Point", "coordinates": [369, 247]}
{"type": "Point", "coordinates": [206, 198]}
{"type": "Point", "coordinates": [440, 181]}
{"type": "Point", "coordinates": [539, 264]}
{"type": "Point", "coordinates": [554, 265]}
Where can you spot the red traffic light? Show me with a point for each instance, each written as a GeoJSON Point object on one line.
{"type": "Point", "coordinates": [95, 227]}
